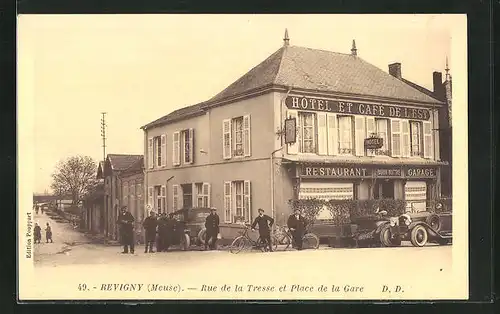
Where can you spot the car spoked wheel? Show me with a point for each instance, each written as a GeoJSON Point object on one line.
{"type": "Point", "coordinates": [386, 238]}
{"type": "Point", "coordinates": [419, 236]}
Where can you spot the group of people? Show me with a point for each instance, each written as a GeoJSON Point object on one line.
{"type": "Point", "coordinates": [38, 208]}
{"type": "Point", "coordinates": [38, 233]}
{"type": "Point", "coordinates": [162, 230]}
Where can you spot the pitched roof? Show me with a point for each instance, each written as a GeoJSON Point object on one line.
{"type": "Point", "coordinates": [420, 88]}
{"type": "Point", "coordinates": [121, 162]}
{"type": "Point", "coordinates": [176, 115]}
{"type": "Point", "coordinates": [135, 167]}
{"type": "Point", "coordinates": [321, 70]}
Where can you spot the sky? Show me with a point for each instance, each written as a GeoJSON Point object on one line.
{"type": "Point", "coordinates": [138, 68]}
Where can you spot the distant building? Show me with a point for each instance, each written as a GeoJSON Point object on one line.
{"type": "Point", "coordinates": [229, 152]}
{"type": "Point", "coordinates": [113, 167]}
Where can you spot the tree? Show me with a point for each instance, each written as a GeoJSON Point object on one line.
{"type": "Point", "coordinates": [75, 176]}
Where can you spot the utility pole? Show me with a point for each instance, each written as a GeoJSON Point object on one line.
{"type": "Point", "coordinates": [103, 136]}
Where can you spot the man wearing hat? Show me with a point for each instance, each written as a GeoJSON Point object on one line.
{"type": "Point", "coordinates": [126, 223]}
{"type": "Point", "coordinates": [212, 229]}
{"type": "Point", "coordinates": [150, 224]}
{"type": "Point", "coordinates": [170, 232]}
{"type": "Point", "coordinates": [297, 225]}
{"type": "Point", "coordinates": [265, 223]}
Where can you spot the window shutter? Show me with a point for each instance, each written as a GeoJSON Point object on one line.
{"type": "Point", "coordinates": [150, 197]}
{"type": "Point", "coordinates": [163, 193]}
{"type": "Point", "coordinates": [191, 145]}
{"type": "Point", "coordinates": [293, 149]}
{"type": "Point", "coordinates": [247, 144]}
{"type": "Point", "coordinates": [405, 138]}
{"type": "Point", "coordinates": [359, 135]}
{"type": "Point", "coordinates": [396, 138]}
{"type": "Point", "coordinates": [193, 194]}
{"type": "Point", "coordinates": [206, 193]}
{"type": "Point", "coordinates": [227, 201]}
{"type": "Point", "coordinates": [428, 140]}
{"type": "Point", "coordinates": [322, 134]}
{"type": "Point", "coordinates": [163, 150]}
{"type": "Point", "coordinates": [176, 155]}
{"type": "Point", "coordinates": [370, 129]}
{"type": "Point", "coordinates": [226, 139]}
{"type": "Point", "coordinates": [333, 134]}
{"type": "Point", "coordinates": [150, 153]}
{"type": "Point", "coordinates": [175, 197]}
{"type": "Point", "coordinates": [247, 196]}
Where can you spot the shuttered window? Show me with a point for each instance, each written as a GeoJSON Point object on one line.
{"type": "Point", "coordinates": [406, 140]}
{"type": "Point", "coordinates": [150, 153]}
{"type": "Point", "coordinates": [175, 197]}
{"type": "Point", "coordinates": [396, 138]}
{"type": "Point", "coordinates": [322, 134]}
{"type": "Point", "coordinates": [226, 139]}
{"type": "Point", "coordinates": [150, 197]}
{"type": "Point", "coordinates": [333, 132]}
{"type": "Point", "coordinates": [345, 135]}
{"type": "Point", "coordinates": [227, 202]}
{"type": "Point", "coordinates": [176, 149]}
{"type": "Point", "coordinates": [163, 161]}
{"type": "Point", "coordinates": [382, 132]}
{"type": "Point", "coordinates": [247, 143]}
{"type": "Point", "coordinates": [428, 140]}
{"type": "Point", "coordinates": [307, 132]}
{"type": "Point", "coordinates": [360, 135]}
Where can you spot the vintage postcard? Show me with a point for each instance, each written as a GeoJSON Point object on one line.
{"type": "Point", "coordinates": [273, 157]}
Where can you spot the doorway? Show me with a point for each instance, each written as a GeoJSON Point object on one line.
{"type": "Point", "coordinates": [384, 189]}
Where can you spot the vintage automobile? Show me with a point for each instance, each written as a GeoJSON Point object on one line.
{"type": "Point", "coordinates": [418, 228]}
{"type": "Point", "coordinates": [192, 221]}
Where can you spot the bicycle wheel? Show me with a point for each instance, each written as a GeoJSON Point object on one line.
{"type": "Point", "coordinates": [310, 241]}
{"type": "Point", "coordinates": [286, 241]}
{"type": "Point", "coordinates": [238, 244]}
{"type": "Point", "coordinates": [275, 242]}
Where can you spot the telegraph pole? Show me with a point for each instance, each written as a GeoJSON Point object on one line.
{"type": "Point", "coordinates": [103, 136]}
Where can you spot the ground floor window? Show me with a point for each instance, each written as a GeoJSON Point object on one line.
{"type": "Point", "coordinates": [237, 201]}
{"type": "Point", "coordinates": [416, 196]}
{"type": "Point", "coordinates": [326, 191]}
{"type": "Point", "coordinates": [190, 195]}
{"type": "Point", "coordinates": [383, 189]}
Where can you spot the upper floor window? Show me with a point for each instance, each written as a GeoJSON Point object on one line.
{"type": "Point", "coordinates": [236, 137]}
{"type": "Point", "coordinates": [416, 138]}
{"type": "Point", "coordinates": [307, 133]}
{"type": "Point", "coordinates": [183, 147]}
{"type": "Point", "coordinates": [345, 135]}
{"type": "Point", "coordinates": [157, 151]}
{"type": "Point", "coordinates": [381, 130]}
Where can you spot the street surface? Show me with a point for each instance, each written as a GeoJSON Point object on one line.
{"type": "Point", "coordinates": [73, 257]}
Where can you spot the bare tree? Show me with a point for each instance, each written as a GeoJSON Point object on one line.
{"type": "Point", "coordinates": [76, 176]}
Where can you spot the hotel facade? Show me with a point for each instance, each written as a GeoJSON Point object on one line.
{"type": "Point", "coordinates": [229, 152]}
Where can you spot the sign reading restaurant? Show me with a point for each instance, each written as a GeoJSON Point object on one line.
{"type": "Point", "coordinates": [344, 107]}
{"type": "Point", "coordinates": [367, 172]}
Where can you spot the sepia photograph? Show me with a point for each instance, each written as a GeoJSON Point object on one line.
{"type": "Point", "coordinates": [270, 157]}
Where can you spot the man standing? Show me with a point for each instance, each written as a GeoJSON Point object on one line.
{"type": "Point", "coordinates": [265, 223]}
{"type": "Point", "coordinates": [150, 224]}
{"type": "Point", "coordinates": [126, 223]}
{"type": "Point", "coordinates": [170, 231]}
{"type": "Point", "coordinates": [212, 229]}
{"type": "Point", "coordinates": [297, 225]}
{"type": "Point", "coordinates": [160, 244]}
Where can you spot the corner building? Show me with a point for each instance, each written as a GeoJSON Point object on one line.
{"type": "Point", "coordinates": [229, 152]}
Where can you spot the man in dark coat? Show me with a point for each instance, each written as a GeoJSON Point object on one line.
{"type": "Point", "coordinates": [170, 231]}
{"type": "Point", "coordinates": [265, 223]}
{"type": "Point", "coordinates": [150, 224]}
{"type": "Point", "coordinates": [126, 223]}
{"type": "Point", "coordinates": [297, 225]}
{"type": "Point", "coordinates": [38, 233]}
{"type": "Point", "coordinates": [212, 229]}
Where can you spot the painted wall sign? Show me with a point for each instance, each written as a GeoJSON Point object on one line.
{"type": "Point", "coordinates": [345, 107]}
{"type": "Point", "coordinates": [326, 171]}
{"type": "Point", "coordinates": [420, 172]}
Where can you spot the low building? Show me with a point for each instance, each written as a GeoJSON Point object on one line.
{"type": "Point", "coordinates": [229, 151]}
{"type": "Point", "coordinates": [113, 167]}
{"type": "Point", "coordinates": [132, 191]}
{"type": "Point", "coordinates": [93, 214]}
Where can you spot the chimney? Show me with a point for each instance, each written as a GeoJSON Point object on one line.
{"type": "Point", "coordinates": [395, 70]}
{"type": "Point", "coordinates": [437, 83]}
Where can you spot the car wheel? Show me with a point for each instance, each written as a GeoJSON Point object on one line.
{"type": "Point", "coordinates": [434, 222]}
{"type": "Point", "coordinates": [386, 238]}
{"type": "Point", "coordinates": [419, 236]}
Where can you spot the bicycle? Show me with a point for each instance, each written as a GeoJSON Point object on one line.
{"type": "Point", "coordinates": [284, 237]}
{"type": "Point", "coordinates": [245, 242]}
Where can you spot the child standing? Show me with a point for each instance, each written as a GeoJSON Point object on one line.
{"type": "Point", "coordinates": [38, 233]}
{"type": "Point", "coordinates": [48, 233]}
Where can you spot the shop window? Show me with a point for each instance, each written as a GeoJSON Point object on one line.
{"type": "Point", "coordinates": [236, 137]}
{"type": "Point", "coordinates": [345, 135]}
{"type": "Point", "coordinates": [307, 134]}
{"type": "Point", "coordinates": [237, 201]}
